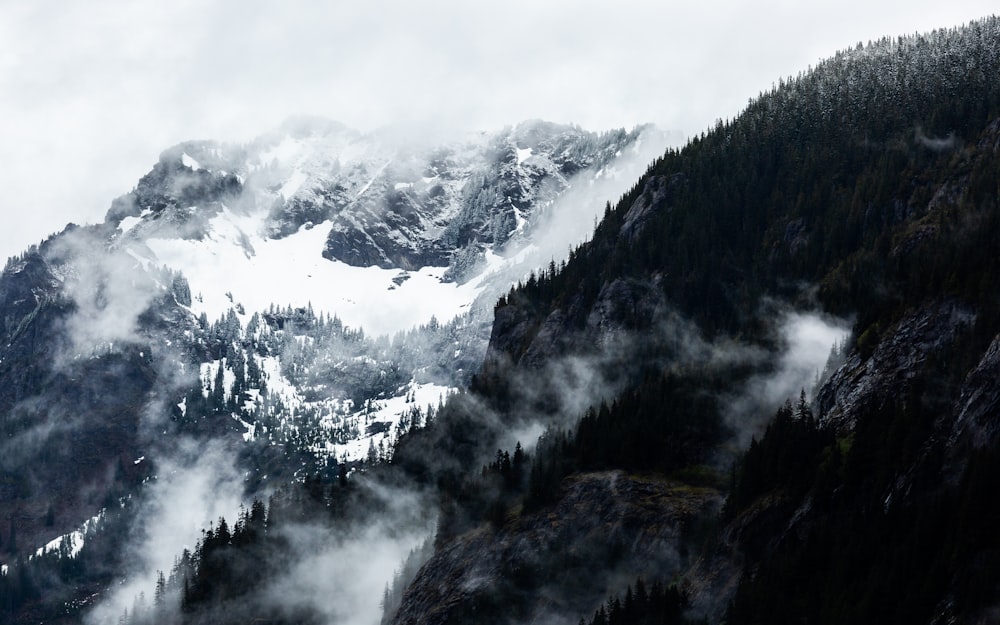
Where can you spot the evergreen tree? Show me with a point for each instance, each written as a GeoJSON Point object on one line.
{"type": "Point", "coordinates": [219, 389]}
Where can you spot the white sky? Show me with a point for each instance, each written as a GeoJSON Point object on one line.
{"type": "Point", "coordinates": [91, 92]}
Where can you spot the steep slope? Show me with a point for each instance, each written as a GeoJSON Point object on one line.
{"type": "Point", "coordinates": [408, 215]}
{"type": "Point", "coordinates": [866, 187]}
{"type": "Point", "coordinates": [216, 302]}
{"type": "Point", "coordinates": [72, 402]}
{"type": "Point", "coordinates": [546, 558]}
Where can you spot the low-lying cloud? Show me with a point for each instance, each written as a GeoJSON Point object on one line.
{"type": "Point", "coordinates": [342, 577]}
{"type": "Point", "coordinates": [194, 487]}
{"type": "Point", "coordinates": [937, 144]}
{"type": "Point", "coordinates": [109, 289]}
{"type": "Point", "coordinates": [806, 341]}
{"type": "Point", "coordinates": [571, 218]}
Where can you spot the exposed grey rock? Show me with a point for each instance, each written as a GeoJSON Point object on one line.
{"type": "Point", "coordinates": [900, 351]}
{"type": "Point", "coordinates": [978, 407]}
{"type": "Point", "coordinates": [392, 202]}
{"type": "Point", "coordinates": [639, 519]}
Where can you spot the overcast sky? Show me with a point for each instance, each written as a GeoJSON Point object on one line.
{"type": "Point", "coordinates": [91, 92]}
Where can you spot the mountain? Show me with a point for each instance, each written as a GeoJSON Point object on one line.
{"type": "Point", "coordinates": [763, 390]}
{"type": "Point", "coordinates": [302, 298]}
{"type": "Point", "coordinates": [864, 188]}
{"type": "Point", "coordinates": [386, 200]}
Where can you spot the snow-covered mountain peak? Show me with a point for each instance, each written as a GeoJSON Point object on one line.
{"type": "Point", "coordinates": [317, 213]}
{"type": "Point", "coordinates": [303, 293]}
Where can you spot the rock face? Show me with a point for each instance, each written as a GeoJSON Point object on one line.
{"type": "Point", "coordinates": [178, 194]}
{"type": "Point", "coordinates": [548, 554]}
{"type": "Point", "coordinates": [95, 337]}
{"type": "Point", "coordinates": [978, 405]}
{"type": "Point", "coordinates": [393, 202]}
{"type": "Point", "coordinates": [422, 206]}
{"type": "Point", "coordinates": [876, 375]}
{"type": "Point", "coordinates": [868, 380]}
{"type": "Point", "coordinates": [70, 421]}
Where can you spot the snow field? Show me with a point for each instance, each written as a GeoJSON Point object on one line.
{"type": "Point", "coordinates": [234, 264]}
{"type": "Point", "coordinates": [387, 412]}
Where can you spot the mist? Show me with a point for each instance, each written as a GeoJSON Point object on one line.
{"type": "Point", "coordinates": [937, 144]}
{"type": "Point", "coordinates": [570, 219]}
{"type": "Point", "coordinates": [194, 486]}
{"type": "Point", "coordinates": [794, 362]}
{"type": "Point", "coordinates": [806, 340]}
{"type": "Point", "coordinates": [86, 110]}
{"type": "Point", "coordinates": [341, 573]}
{"type": "Point", "coordinates": [314, 567]}
{"type": "Point", "coordinates": [568, 385]}
{"type": "Point", "coordinates": [95, 106]}
{"type": "Point", "coordinates": [33, 426]}
{"type": "Point", "coordinates": [575, 213]}
{"type": "Point", "coordinates": [109, 290]}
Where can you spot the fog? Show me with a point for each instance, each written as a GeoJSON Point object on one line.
{"type": "Point", "coordinates": [109, 290]}
{"type": "Point", "coordinates": [571, 218]}
{"type": "Point", "coordinates": [196, 484]}
{"type": "Point", "coordinates": [341, 573]}
{"type": "Point", "coordinates": [91, 93]}
{"type": "Point", "coordinates": [803, 342]}
{"type": "Point", "coordinates": [937, 144]}
{"type": "Point", "coordinates": [806, 340]}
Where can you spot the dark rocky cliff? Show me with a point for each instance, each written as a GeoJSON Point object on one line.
{"type": "Point", "coordinates": [828, 194]}
{"type": "Point", "coordinates": [540, 564]}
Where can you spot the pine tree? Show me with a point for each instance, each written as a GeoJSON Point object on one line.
{"type": "Point", "coordinates": [802, 409]}
{"type": "Point", "coordinates": [159, 594]}
{"type": "Point", "coordinates": [139, 608]}
{"type": "Point", "coordinates": [219, 389]}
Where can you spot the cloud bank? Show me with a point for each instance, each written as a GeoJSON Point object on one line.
{"type": "Point", "coordinates": [91, 93]}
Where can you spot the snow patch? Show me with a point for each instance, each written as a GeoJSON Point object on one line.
{"type": "Point", "coordinates": [208, 372]}
{"type": "Point", "coordinates": [373, 179]}
{"type": "Point", "coordinates": [381, 418]}
{"type": "Point", "coordinates": [519, 220]}
{"type": "Point", "coordinates": [278, 384]}
{"type": "Point", "coordinates": [293, 183]}
{"type": "Point", "coordinates": [74, 540]}
{"type": "Point", "coordinates": [234, 258]}
{"type": "Point", "coordinates": [187, 161]}
{"type": "Point", "coordinates": [128, 223]}
{"type": "Point", "coordinates": [523, 155]}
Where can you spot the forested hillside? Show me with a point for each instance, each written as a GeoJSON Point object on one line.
{"type": "Point", "coordinates": [867, 187]}
{"type": "Point", "coordinates": [631, 450]}
{"type": "Point", "coordinates": [868, 182]}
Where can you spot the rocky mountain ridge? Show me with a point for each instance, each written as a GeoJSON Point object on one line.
{"type": "Point", "coordinates": [392, 202]}
{"type": "Point", "coordinates": [161, 324]}
{"type": "Point", "coordinates": [666, 387]}
{"type": "Point", "coordinates": [823, 198]}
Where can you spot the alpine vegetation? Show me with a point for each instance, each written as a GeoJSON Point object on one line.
{"type": "Point", "coordinates": [536, 375]}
